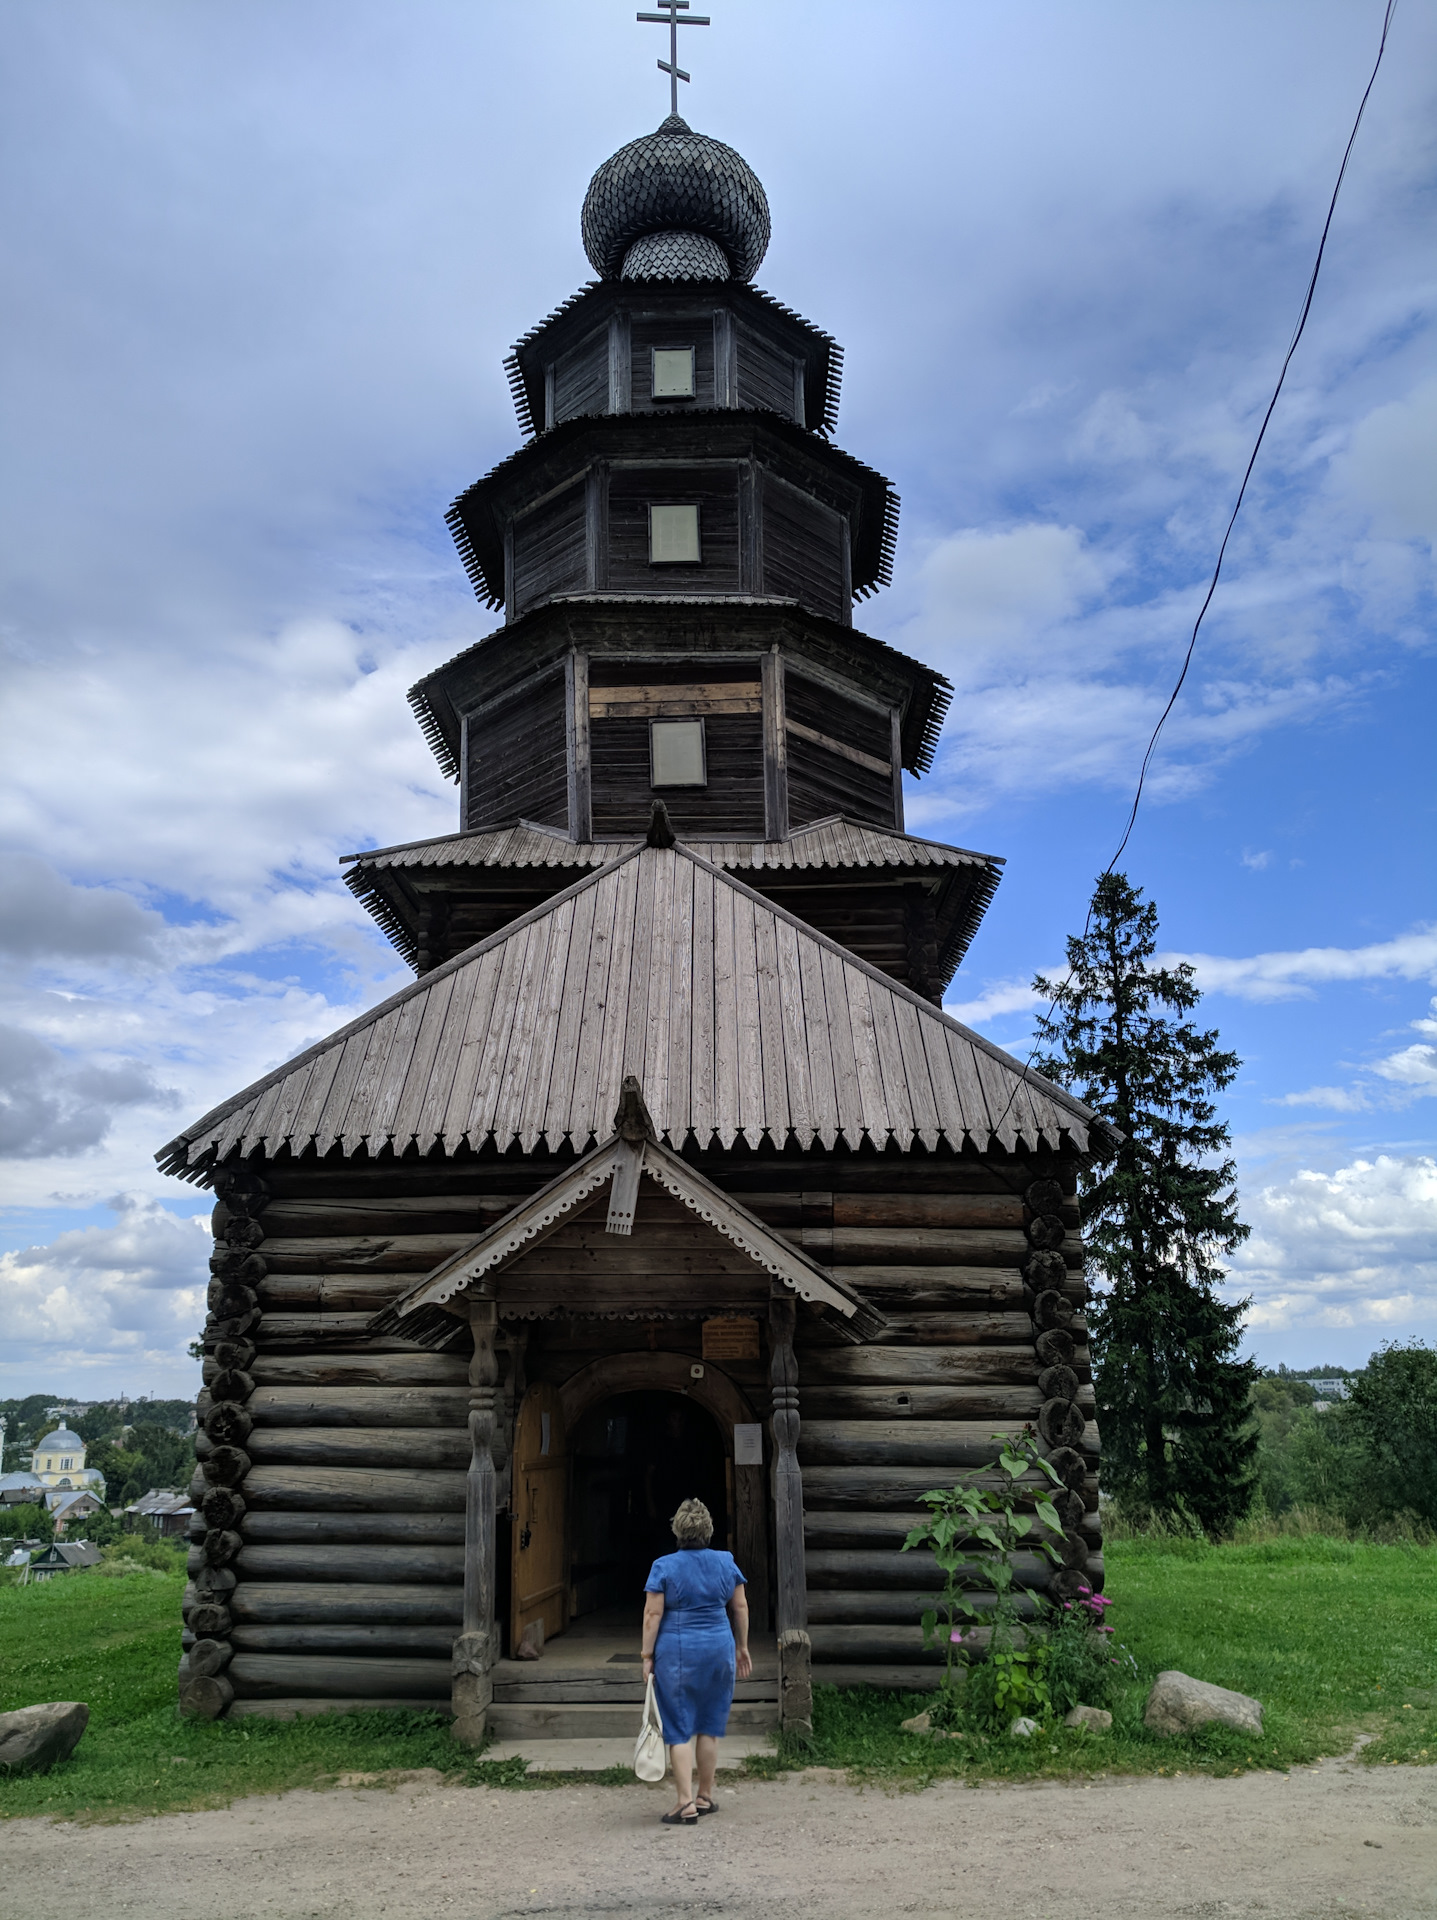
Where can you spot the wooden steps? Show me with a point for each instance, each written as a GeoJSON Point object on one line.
{"type": "Point", "coordinates": [585, 1720]}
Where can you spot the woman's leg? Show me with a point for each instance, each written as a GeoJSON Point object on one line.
{"type": "Point", "coordinates": [707, 1747]}
{"type": "Point", "coordinates": [682, 1761]}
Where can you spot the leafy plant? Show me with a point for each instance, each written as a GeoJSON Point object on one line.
{"type": "Point", "coordinates": [969, 1517]}
{"type": "Point", "coordinates": [1086, 1666]}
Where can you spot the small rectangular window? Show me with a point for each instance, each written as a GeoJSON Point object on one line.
{"type": "Point", "coordinates": [676, 753]}
{"type": "Point", "coordinates": [673, 536]}
{"type": "Point", "coordinates": [673, 373]}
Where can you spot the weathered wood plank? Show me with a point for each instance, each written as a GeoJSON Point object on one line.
{"type": "Point", "coordinates": [394, 1637]}
{"type": "Point", "coordinates": [926, 1365]}
{"type": "Point", "coordinates": [420, 1447]}
{"type": "Point", "coordinates": [933, 1444]}
{"type": "Point", "coordinates": [255, 1675]}
{"type": "Point", "coordinates": [403, 1406]}
{"type": "Point", "coordinates": [353, 1603]}
{"type": "Point", "coordinates": [858, 1577]}
{"type": "Point", "coordinates": [353, 1529]}
{"type": "Point", "coordinates": [370, 1562]}
{"type": "Point", "coordinates": [410, 1368]}
{"type": "Point", "coordinates": [325, 1489]}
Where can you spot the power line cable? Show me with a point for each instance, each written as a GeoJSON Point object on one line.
{"type": "Point", "coordinates": [1297, 334]}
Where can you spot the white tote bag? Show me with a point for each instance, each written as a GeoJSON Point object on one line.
{"type": "Point", "coordinates": [650, 1759]}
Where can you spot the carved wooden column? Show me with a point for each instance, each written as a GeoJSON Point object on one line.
{"type": "Point", "coordinates": [475, 1649]}
{"type": "Point", "coordinates": [795, 1677]}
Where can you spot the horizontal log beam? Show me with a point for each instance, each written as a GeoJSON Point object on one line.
{"type": "Point", "coordinates": [331, 1292]}
{"type": "Point", "coordinates": [358, 1406]}
{"type": "Point", "coordinates": [295, 1601]}
{"type": "Point", "coordinates": [353, 1490]}
{"type": "Point", "coordinates": [921, 1365]}
{"type": "Point", "coordinates": [920, 1246]}
{"type": "Point", "coordinates": [408, 1368]}
{"type": "Point", "coordinates": [933, 1444]}
{"type": "Point", "coordinates": [280, 1708]}
{"type": "Point", "coordinates": [362, 1253]}
{"type": "Point", "coordinates": [387, 1214]}
{"type": "Point", "coordinates": [1007, 1404]}
{"type": "Point", "coordinates": [356, 1529]}
{"type": "Point", "coordinates": [878, 1488]}
{"type": "Point", "coordinates": [255, 1675]}
{"type": "Point", "coordinates": [863, 1574]}
{"type": "Point", "coordinates": [937, 1289]}
{"type": "Point", "coordinates": [887, 1678]}
{"type": "Point", "coordinates": [437, 1643]}
{"type": "Point", "coordinates": [370, 1562]}
{"type": "Point", "coordinates": [881, 1534]}
{"type": "Point", "coordinates": [351, 1447]}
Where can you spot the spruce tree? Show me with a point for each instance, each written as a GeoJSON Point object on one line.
{"type": "Point", "coordinates": [1158, 1216]}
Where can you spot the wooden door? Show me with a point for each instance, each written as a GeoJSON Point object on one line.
{"type": "Point", "coordinates": [540, 1587]}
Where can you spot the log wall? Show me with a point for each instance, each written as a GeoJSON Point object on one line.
{"type": "Point", "coordinates": [327, 1558]}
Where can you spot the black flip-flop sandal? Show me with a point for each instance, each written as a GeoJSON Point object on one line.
{"type": "Point", "coordinates": [679, 1818]}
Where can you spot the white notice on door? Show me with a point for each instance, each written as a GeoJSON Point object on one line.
{"type": "Point", "coordinates": [543, 1433]}
{"type": "Point", "coordinates": [748, 1446]}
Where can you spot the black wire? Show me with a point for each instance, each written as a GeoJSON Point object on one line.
{"type": "Point", "coordinates": [1257, 447]}
{"type": "Point", "coordinates": [1298, 332]}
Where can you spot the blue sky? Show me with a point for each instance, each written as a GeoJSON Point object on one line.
{"type": "Point", "coordinates": [265, 261]}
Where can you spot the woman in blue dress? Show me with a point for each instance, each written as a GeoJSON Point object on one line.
{"type": "Point", "coordinates": [693, 1653]}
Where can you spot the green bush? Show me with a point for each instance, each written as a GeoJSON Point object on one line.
{"type": "Point", "coordinates": [147, 1550]}
{"type": "Point", "coordinates": [26, 1523]}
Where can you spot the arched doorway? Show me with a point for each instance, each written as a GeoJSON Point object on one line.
{"type": "Point", "coordinates": [635, 1457]}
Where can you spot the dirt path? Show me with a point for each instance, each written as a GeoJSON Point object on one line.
{"type": "Point", "coordinates": [1335, 1842]}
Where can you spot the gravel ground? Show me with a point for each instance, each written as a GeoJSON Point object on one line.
{"type": "Point", "coordinates": [1333, 1842]}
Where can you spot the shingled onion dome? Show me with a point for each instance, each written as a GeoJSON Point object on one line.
{"type": "Point", "coordinates": [675, 205]}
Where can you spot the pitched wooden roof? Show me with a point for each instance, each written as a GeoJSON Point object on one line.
{"type": "Point", "coordinates": [738, 1020]}
{"type": "Point", "coordinates": [834, 842]}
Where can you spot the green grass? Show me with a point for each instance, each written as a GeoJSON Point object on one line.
{"type": "Point", "coordinates": [1336, 1638]}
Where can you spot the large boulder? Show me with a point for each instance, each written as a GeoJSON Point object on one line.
{"type": "Point", "coordinates": [36, 1737]}
{"type": "Point", "coordinates": [1180, 1704]}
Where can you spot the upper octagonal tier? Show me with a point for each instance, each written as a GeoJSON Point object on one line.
{"type": "Point", "coordinates": [675, 181]}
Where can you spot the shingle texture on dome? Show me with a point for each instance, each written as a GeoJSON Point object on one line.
{"type": "Point", "coordinates": [681, 182]}
{"type": "Point", "coordinates": [675, 256]}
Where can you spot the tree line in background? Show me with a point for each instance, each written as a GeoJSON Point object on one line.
{"type": "Point", "coordinates": [1193, 1435]}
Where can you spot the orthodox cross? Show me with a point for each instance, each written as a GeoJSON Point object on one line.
{"type": "Point", "coordinates": [674, 16]}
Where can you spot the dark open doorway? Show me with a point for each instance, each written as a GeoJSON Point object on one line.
{"type": "Point", "coordinates": [635, 1458]}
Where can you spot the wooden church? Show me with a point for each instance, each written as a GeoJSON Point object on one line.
{"type": "Point", "coordinates": [668, 1175]}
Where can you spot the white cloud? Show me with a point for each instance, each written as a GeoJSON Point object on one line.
{"type": "Point", "coordinates": [1259, 862]}
{"type": "Point", "coordinates": [108, 1307]}
{"type": "Point", "coordinates": [1334, 1099]}
{"type": "Point", "coordinates": [1004, 996]}
{"type": "Point", "coordinates": [1357, 1247]}
{"type": "Point", "coordinates": [50, 1105]}
{"type": "Point", "coordinates": [1414, 1067]}
{"type": "Point", "coordinates": [1391, 463]}
{"type": "Point", "coordinates": [986, 591]}
{"type": "Point", "coordinates": [1286, 976]}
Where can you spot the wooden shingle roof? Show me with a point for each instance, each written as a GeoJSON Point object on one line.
{"type": "Point", "coordinates": [738, 1019]}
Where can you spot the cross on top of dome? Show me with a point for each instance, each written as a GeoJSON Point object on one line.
{"type": "Point", "coordinates": [674, 16]}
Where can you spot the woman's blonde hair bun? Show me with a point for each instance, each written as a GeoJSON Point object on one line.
{"type": "Point", "coordinates": [693, 1524]}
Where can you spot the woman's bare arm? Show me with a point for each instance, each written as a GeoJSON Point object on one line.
{"type": "Point", "coordinates": [653, 1614]}
{"type": "Point", "coordinates": [738, 1607]}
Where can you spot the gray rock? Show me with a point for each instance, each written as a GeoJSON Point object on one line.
{"type": "Point", "coordinates": [1096, 1719]}
{"type": "Point", "coordinates": [1180, 1704]}
{"type": "Point", "coordinates": [1023, 1728]}
{"type": "Point", "coordinates": [920, 1723]}
{"type": "Point", "coordinates": [36, 1737]}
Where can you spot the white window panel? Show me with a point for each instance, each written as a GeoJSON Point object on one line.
{"type": "Point", "coordinates": [676, 753]}
{"type": "Point", "coordinates": [673, 373]}
{"type": "Point", "coordinates": [674, 536]}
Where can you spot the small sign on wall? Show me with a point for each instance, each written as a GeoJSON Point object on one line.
{"type": "Point", "coordinates": [748, 1445]}
{"type": "Point", "coordinates": [730, 1339]}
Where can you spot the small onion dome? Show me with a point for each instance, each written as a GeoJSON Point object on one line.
{"type": "Point", "coordinates": [682, 185]}
{"type": "Point", "coordinates": [675, 256]}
